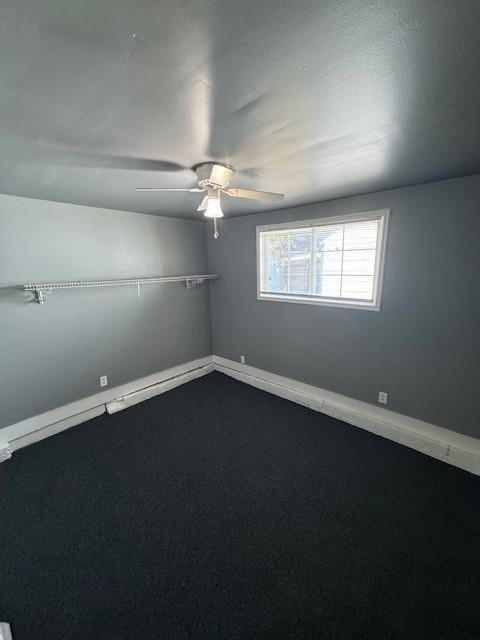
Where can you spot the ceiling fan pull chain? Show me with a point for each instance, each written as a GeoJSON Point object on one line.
{"type": "Point", "coordinates": [215, 232]}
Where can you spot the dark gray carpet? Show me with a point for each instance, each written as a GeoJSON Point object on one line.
{"type": "Point", "coordinates": [217, 511]}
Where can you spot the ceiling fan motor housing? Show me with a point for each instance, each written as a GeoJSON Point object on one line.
{"type": "Point", "coordinates": [211, 175]}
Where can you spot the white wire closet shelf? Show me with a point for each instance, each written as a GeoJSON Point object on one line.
{"type": "Point", "coordinates": [42, 290]}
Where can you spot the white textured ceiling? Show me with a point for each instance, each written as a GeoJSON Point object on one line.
{"type": "Point", "coordinates": [318, 99]}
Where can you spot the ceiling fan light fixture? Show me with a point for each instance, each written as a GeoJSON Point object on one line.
{"type": "Point", "coordinates": [203, 204]}
{"type": "Point", "coordinates": [214, 209]}
{"type": "Point", "coordinates": [214, 179]}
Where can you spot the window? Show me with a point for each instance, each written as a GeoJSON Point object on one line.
{"type": "Point", "coordinates": [331, 261]}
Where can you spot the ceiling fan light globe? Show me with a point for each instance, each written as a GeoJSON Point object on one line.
{"type": "Point", "coordinates": [213, 210]}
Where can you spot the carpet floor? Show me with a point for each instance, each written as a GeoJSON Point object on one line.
{"type": "Point", "coordinates": [217, 511]}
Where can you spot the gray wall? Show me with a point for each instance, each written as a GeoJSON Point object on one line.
{"type": "Point", "coordinates": [53, 354]}
{"type": "Point", "coordinates": [423, 347]}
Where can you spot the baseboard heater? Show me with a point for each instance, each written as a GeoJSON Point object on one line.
{"type": "Point", "coordinates": [119, 404]}
{"type": "Point", "coordinates": [437, 442]}
{"type": "Point", "coordinates": [451, 447]}
{"type": "Point", "coordinates": [39, 427]}
{"type": "Point", "coordinates": [5, 632]}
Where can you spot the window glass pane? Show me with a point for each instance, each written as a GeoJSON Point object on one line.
{"type": "Point", "coordinates": [300, 259]}
{"type": "Point", "coordinates": [328, 263]}
{"type": "Point", "coordinates": [329, 238]}
{"type": "Point", "coordinates": [361, 235]}
{"type": "Point", "coordinates": [358, 287]}
{"type": "Point", "coordinates": [275, 260]}
{"type": "Point", "coordinates": [359, 263]}
{"type": "Point", "coordinates": [329, 286]}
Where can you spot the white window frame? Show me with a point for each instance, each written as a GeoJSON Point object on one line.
{"type": "Point", "coordinates": [375, 305]}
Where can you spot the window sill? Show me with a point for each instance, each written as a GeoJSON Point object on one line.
{"type": "Point", "coordinates": [324, 302]}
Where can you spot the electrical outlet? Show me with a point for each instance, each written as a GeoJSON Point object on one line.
{"type": "Point", "coordinates": [383, 397]}
{"type": "Point", "coordinates": [103, 381]}
{"type": "Point", "coordinates": [242, 359]}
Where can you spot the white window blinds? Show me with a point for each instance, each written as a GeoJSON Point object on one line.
{"type": "Point", "coordinates": [331, 262]}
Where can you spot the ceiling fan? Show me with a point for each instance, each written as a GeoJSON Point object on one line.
{"type": "Point", "coordinates": [214, 179]}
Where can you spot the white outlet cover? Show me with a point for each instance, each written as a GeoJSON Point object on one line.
{"type": "Point", "coordinates": [383, 397]}
{"type": "Point", "coordinates": [103, 381]}
{"type": "Point", "coordinates": [242, 359]}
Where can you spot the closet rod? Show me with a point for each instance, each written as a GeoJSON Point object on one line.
{"type": "Point", "coordinates": [42, 290]}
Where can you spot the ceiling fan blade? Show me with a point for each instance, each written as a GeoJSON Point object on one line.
{"type": "Point", "coordinates": [166, 189]}
{"type": "Point", "coordinates": [103, 161]}
{"type": "Point", "coordinates": [203, 205]}
{"type": "Point", "coordinates": [251, 172]}
{"type": "Point", "coordinates": [253, 194]}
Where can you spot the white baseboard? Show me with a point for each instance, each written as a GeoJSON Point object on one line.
{"type": "Point", "coordinates": [30, 437]}
{"type": "Point", "coordinates": [440, 443]}
{"type": "Point", "coordinates": [5, 632]}
{"type": "Point", "coordinates": [149, 392]}
{"type": "Point", "coordinates": [5, 454]}
{"type": "Point", "coordinates": [46, 424]}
